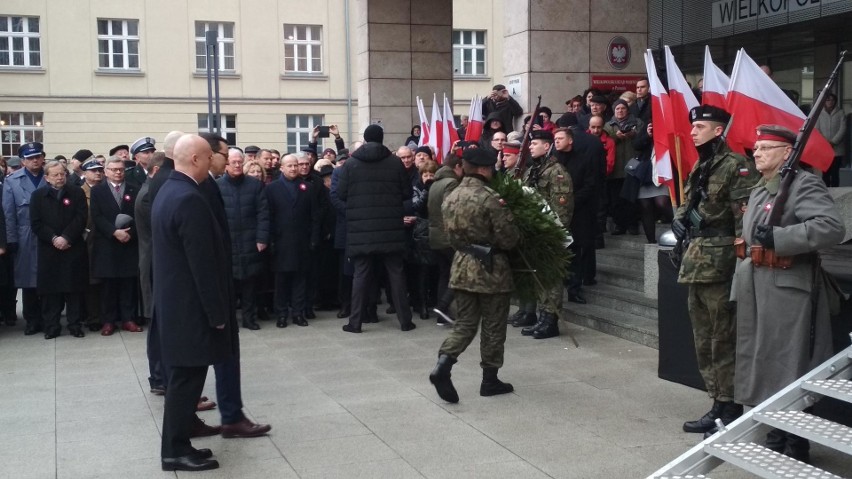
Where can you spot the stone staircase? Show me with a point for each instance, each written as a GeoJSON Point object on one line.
{"type": "Point", "coordinates": [618, 304]}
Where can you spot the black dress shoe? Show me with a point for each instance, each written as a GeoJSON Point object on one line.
{"type": "Point", "coordinates": [390, 310]}
{"type": "Point", "coordinates": [351, 329]}
{"type": "Point", "coordinates": [95, 327]}
{"type": "Point", "coordinates": [281, 323]}
{"type": "Point", "coordinates": [309, 314]}
{"type": "Point", "coordinates": [203, 453]}
{"type": "Point", "coordinates": [190, 462]}
{"type": "Point", "coordinates": [300, 321]}
{"type": "Point", "coordinates": [576, 298]}
{"type": "Point", "coordinates": [370, 316]}
{"type": "Point", "coordinates": [408, 327]}
{"type": "Point", "coordinates": [51, 334]}
{"type": "Point", "coordinates": [344, 313]}
{"type": "Point", "coordinates": [76, 332]}
{"type": "Point", "coordinates": [251, 325]}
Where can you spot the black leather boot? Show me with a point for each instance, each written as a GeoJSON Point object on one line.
{"type": "Point", "coordinates": [522, 319]}
{"type": "Point", "coordinates": [730, 412]}
{"type": "Point", "coordinates": [549, 327]}
{"type": "Point", "coordinates": [440, 378]}
{"type": "Point", "coordinates": [491, 386]}
{"type": "Point", "coordinates": [529, 330]}
{"type": "Point", "coordinates": [707, 421]}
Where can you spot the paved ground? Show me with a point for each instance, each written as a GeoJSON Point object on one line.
{"type": "Point", "coordinates": [350, 406]}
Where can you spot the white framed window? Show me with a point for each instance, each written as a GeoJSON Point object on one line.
{"type": "Point", "coordinates": [17, 128]}
{"type": "Point", "coordinates": [118, 44]}
{"type": "Point", "coordinates": [20, 42]}
{"type": "Point", "coordinates": [225, 38]}
{"type": "Point", "coordinates": [299, 129]}
{"type": "Point", "coordinates": [302, 48]}
{"type": "Point", "coordinates": [468, 52]}
{"type": "Point", "coordinates": [229, 127]}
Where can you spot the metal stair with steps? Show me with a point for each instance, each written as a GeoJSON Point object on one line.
{"type": "Point", "coordinates": [739, 444]}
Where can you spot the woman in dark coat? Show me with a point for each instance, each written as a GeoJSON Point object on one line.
{"type": "Point", "coordinates": [58, 215]}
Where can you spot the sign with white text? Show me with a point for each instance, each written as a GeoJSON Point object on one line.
{"type": "Point", "coordinates": [729, 12]}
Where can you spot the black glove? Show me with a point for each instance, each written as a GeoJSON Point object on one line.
{"type": "Point", "coordinates": [765, 236]}
{"type": "Point", "coordinates": [12, 248]}
{"type": "Point", "coordinates": [679, 229]}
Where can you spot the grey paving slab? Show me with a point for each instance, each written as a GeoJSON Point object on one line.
{"type": "Point", "coordinates": [351, 406]}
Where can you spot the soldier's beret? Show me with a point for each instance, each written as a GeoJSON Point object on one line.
{"type": "Point", "coordinates": [543, 135]}
{"type": "Point", "coordinates": [479, 157]}
{"type": "Point", "coordinates": [115, 149]}
{"type": "Point", "coordinates": [92, 165]}
{"type": "Point", "coordinates": [29, 150]}
{"type": "Point", "coordinates": [776, 133]}
{"type": "Point", "coordinates": [142, 145]}
{"type": "Point", "coordinates": [709, 113]}
{"type": "Point", "coordinates": [252, 150]}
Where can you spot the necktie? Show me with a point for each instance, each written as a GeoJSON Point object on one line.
{"type": "Point", "coordinates": [117, 194]}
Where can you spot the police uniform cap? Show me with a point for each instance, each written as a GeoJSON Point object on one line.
{"type": "Point", "coordinates": [118, 148]}
{"type": "Point", "coordinates": [543, 135]}
{"type": "Point", "coordinates": [92, 165]}
{"type": "Point", "coordinates": [479, 157]}
{"type": "Point", "coordinates": [709, 113]}
{"type": "Point", "coordinates": [29, 150]}
{"type": "Point", "coordinates": [142, 145]}
{"type": "Point", "coordinates": [776, 133]}
{"type": "Point", "coordinates": [252, 149]}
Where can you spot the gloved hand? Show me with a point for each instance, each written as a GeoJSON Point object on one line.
{"type": "Point", "coordinates": [679, 229]}
{"type": "Point", "coordinates": [765, 236]}
{"type": "Point", "coordinates": [12, 248]}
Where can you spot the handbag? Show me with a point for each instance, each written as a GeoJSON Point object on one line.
{"type": "Point", "coordinates": [632, 166]}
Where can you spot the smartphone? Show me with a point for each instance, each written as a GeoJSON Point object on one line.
{"type": "Point", "coordinates": [323, 132]}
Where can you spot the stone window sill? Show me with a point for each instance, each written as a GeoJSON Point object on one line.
{"type": "Point", "coordinates": [27, 70]}
{"type": "Point", "coordinates": [304, 76]}
{"type": "Point", "coordinates": [229, 75]}
{"type": "Point", "coordinates": [119, 72]}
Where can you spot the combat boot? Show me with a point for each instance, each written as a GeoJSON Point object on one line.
{"type": "Point", "coordinates": [523, 319]}
{"type": "Point", "coordinates": [529, 330]}
{"type": "Point", "coordinates": [549, 328]}
{"type": "Point", "coordinates": [440, 378]}
{"type": "Point", "coordinates": [730, 412]}
{"type": "Point", "coordinates": [491, 386]}
{"type": "Point", "coordinates": [707, 421]}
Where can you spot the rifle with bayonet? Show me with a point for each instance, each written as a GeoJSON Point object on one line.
{"type": "Point", "coordinates": [524, 155]}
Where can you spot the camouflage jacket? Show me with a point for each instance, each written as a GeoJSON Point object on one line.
{"type": "Point", "coordinates": [554, 184]}
{"type": "Point", "coordinates": [475, 214]}
{"type": "Point", "coordinates": [711, 258]}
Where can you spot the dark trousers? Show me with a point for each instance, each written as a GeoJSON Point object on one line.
{"type": "Point", "coordinates": [328, 273]}
{"type": "Point", "coordinates": [623, 212]}
{"type": "Point", "coordinates": [157, 374]}
{"type": "Point", "coordinates": [31, 306]}
{"type": "Point", "coordinates": [118, 300]}
{"type": "Point", "coordinates": [290, 293]}
{"type": "Point", "coordinates": [344, 282]}
{"type": "Point", "coordinates": [311, 283]}
{"type": "Point", "coordinates": [444, 258]}
{"type": "Point", "coordinates": [182, 393]}
{"type": "Point", "coordinates": [832, 176]}
{"type": "Point", "coordinates": [248, 297]}
{"type": "Point", "coordinates": [228, 390]}
{"type": "Point", "coordinates": [364, 286]}
{"type": "Point", "coordinates": [92, 305]}
{"type": "Point", "coordinates": [51, 310]}
{"type": "Point", "coordinates": [577, 269]}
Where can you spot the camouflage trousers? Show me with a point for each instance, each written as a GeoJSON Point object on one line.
{"type": "Point", "coordinates": [550, 300]}
{"type": "Point", "coordinates": [714, 325]}
{"type": "Point", "coordinates": [471, 309]}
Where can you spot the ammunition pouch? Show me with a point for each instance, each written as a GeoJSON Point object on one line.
{"type": "Point", "coordinates": [761, 256]}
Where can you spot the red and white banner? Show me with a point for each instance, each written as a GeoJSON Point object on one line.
{"type": "Point", "coordinates": [754, 99]}
{"type": "Point", "coordinates": [424, 123]}
{"type": "Point", "coordinates": [449, 133]}
{"type": "Point", "coordinates": [435, 127]}
{"type": "Point", "coordinates": [660, 112]}
{"type": "Point", "coordinates": [475, 122]}
{"type": "Point", "coordinates": [682, 101]}
{"type": "Point", "coordinates": [716, 83]}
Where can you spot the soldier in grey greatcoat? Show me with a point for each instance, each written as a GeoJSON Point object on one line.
{"type": "Point", "coordinates": [474, 217]}
{"type": "Point", "coordinates": [783, 319]}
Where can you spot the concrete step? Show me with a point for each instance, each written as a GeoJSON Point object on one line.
{"type": "Point", "coordinates": [631, 327]}
{"type": "Point", "coordinates": [623, 258]}
{"type": "Point", "coordinates": [625, 241]}
{"type": "Point", "coordinates": [633, 279]}
{"type": "Point", "coordinates": [621, 299]}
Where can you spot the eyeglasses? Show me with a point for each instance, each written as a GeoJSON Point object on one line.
{"type": "Point", "coordinates": [765, 148]}
{"type": "Point", "coordinates": [115, 169]}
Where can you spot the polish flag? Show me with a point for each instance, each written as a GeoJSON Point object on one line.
{"type": "Point", "coordinates": [435, 127]}
{"type": "Point", "coordinates": [682, 101]}
{"type": "Point", "coordinates": [449, 134]}
{"type": "Point", "coordinates": [475, 121]}
{"type": "Point", "coordinates": [754, 99]}
{"type": "Point", "coordinates": [716, 83]}
{"type": "Point", "coordinates": [424, 123]}
{"type": "Point", "coordinates": [660, 111]}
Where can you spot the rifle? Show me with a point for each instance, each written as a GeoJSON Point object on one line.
{"type": "Point", "coordinates": [692, 218]}
{"type": "Point", "coordinates": [774, 216]}
{"type": "Point", "coordinates": [524, 155]}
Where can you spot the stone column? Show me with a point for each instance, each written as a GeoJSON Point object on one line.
{"type": "Point", "coordinates": [553, 48]}
{"type": "Point", "coordinates": [404, 50]}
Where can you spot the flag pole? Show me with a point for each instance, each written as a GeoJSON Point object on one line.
{"type": "Point", "coordinates": [679, 169]}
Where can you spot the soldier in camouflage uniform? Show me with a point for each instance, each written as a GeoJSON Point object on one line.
{"type": "Point", "coordinates": [723, 181]}
{"type": "Point", "coordinates": [552, 181]}
{"type": "Point", "coordinates": [476, 216]}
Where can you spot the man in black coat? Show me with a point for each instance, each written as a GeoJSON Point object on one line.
{"type": "Point", "coordinates": [58, 215]}
{"type": "Point", "coordinates": [374, 185]}
{"type": "Point", "coordinates": [191, 298]}
{"type": "Point", "coordinates": [295, 225]}
{"type": "Point", "coordinates": [115, 251]}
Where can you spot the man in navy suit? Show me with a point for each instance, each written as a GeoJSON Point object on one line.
{"type": "Point", "coordinates": [191, 298]}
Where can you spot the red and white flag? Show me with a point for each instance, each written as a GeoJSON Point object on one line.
{"type": "Point", "coordinates": [424, 123]}
{"type": "Point", "coordinates": [660, 111]}
{"type": "Point", "coordinates": [754, 99]}
{"type": "Point", "coordinates": [435, 127]}
{"type": "Point", "coordinates": [449, 133]}
{"type": "Point", "coordinates": [716, 83]}
{"type": "Point", "coordinates": [682, 101]}
{"type": "Point", "coordinates": [475, 121]}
